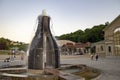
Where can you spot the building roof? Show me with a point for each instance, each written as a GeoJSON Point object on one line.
{"type": "Point", "coordinates": [76, 45]}
{"type": "Point", "coordinates": [62, 42]}
{"type": "Point", "coordinates": [112, 22]}
{"type": "Point", "coordinates": [100, 42]}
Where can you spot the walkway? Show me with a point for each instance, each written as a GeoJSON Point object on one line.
{"type": "Point", "coordinates": [110, 66]}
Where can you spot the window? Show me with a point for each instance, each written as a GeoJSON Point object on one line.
{"type": "Point", "coordinates": [101, 48]}
{"type": "Point", "coordinates": [117, 40]}
{"type": "Point", "coordinates": [109, 49]}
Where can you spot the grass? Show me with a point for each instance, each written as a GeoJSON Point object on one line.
{"type": "Point", "coordinates": [4, 52]}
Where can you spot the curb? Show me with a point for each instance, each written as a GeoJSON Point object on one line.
{"type": "Point", "coordinates": [97, 78]}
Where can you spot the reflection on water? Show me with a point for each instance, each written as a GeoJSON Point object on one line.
{"type": "Point", "coordinates": [45, 77]}
{"type": "Point", "coordinates": [71, 70]}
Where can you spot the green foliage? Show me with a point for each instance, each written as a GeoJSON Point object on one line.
{"type": "Point", "coordinates": [4, 52]}
{"type": "Point", "coordinates": [23, 47]}
{"type": "Point", "coordinates": [88, 35]}
{"type": "Point", "coordinates": [6, 44]}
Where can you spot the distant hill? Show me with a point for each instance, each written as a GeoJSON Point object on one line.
{"type": "Point", "coordinates": [93, 34]}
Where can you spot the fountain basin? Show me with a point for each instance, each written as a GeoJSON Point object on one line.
{"type": "Point", "coordinates": [63, 73]}
{"type": "Point", "coordinates": [24, 74]}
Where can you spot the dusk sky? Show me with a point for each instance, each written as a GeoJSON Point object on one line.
{"type": "Point", "coordinates": [18, 18]}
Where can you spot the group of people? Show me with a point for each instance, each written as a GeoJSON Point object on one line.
{"type": "Point", "coordinates": [94, 55]}
{"type": "Point", "coordinates": [11, 57]}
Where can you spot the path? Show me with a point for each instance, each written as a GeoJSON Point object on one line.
{"type": "Point", "coordinates": [16, 61]}
{"type": "Point", "coordinates": [110, 66]}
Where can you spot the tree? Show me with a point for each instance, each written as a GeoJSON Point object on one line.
{"type": "Point", "coordinates": [94, 34]}
{"type": "Point", "coordinates": [4, 43]}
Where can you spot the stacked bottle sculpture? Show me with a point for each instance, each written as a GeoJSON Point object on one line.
{"type": "Point", "coordinates": [43, 50]}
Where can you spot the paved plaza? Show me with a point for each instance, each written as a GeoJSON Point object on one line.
{"type": "Point", "coordinates": [12, 62]}
{"type": "Point", "coordinates": [109, 66]}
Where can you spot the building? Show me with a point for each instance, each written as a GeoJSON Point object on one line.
{"type": "Point", "coordinates": [62, 42]}
{"type": "Point", "coordinates": [112, 37]}
{"type": "Point", "coordinates": [111, 44]}
{"type": "Point", "coordinates": [68, 47]}
{"type": "Point", "coordinates": [99, 48]}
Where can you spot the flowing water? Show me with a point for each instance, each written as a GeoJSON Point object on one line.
{"type": "Point", "coordinates": [43, 50]}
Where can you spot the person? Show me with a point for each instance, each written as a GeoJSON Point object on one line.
{"type": "Point", "coordinates": [14, 52]}
{"type": "Point", "coordinates": [22, 56]}
{"type": "Point", "coordinates": [96, 57]}
{"type": "Point", "coordinates": [92, 56]}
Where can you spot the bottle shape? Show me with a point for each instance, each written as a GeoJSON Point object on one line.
{"type": "Point", "coordinates": [44, 51]}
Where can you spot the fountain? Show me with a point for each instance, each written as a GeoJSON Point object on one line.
{"type": "Point", "coordinates": [43, 50]}
{"type": "Point", "coordinates": [43, 54]}
{"type": "Point", "coordinates": [43, 58]}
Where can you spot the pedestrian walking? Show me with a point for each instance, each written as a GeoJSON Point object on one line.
{"type": "Point", "coordinates": [92, 56]}
{"type": "Point", "coordinates": [14, 52]}
{"type": "Point", "coordinates": [96, 57]}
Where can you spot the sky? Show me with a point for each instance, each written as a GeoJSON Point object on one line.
{"type": "Point", "coordinates": [18, 18]}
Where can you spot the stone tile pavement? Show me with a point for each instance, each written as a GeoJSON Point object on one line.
{"type": "Point", "coordinates": [109, 66]}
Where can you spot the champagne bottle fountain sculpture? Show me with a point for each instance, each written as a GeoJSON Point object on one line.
{"type": "Point", "coordinates": [43, 50]}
